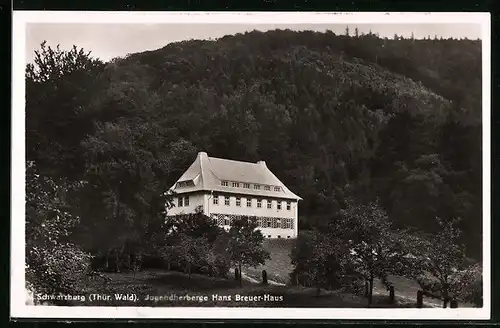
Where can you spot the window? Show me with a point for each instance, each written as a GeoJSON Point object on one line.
{"type": "Point", "coordinates": [226, 200]}
{"type": "Point", "coordinates": [276, 223]}
{"type": "Point", "coordinates": [246, 185]}
{"type": "Point", "coordinates": [288, 206]}
{"type": "Point", "coordinates": [279, 205]}
{"type": "Point", "coordinates": [186, 201]}
{"type": "Point", "coordinates": [277, 188]}
{"type": "Point", "coordinates": [279, 236]}
{"type": "Point", "coordinates": [216, 200]}
{"type": "Point", "coordinates": [267, 188]}
{"type": "Point", "coordinates": [179, 202]}
{"type": "Point", "coordinates": [256, 187]}
{"type": "Point", "coordinates": [268, 223]}
{"type": "Point", "coordinates": [259, 203]}
{"type": "Point", "coordinates": [287, 237]}
{"type": "Point", "coordinates": [259, 222]}
{"type": "Point", "coordinates": [236, 185]}
{"type": "Point", "coordinates": [249, 202]}
{"type": "Point", "coordinates": [268, 236]}
{"type": "Point", "coordinates": [238, 201]}
{"type": "Point", "coordinates": [227, 221]}
{"type": "Point", "coordinates": [269, 203]}
{"type": "Point", "coordinates": [224, 183]}
{"type": "Point", "coordinates": [287, 224]}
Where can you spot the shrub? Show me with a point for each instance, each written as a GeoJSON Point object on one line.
{"type": "Point", "coordinates": [53, 265]}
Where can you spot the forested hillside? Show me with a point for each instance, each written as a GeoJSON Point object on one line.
{"type": "Point", "coordinates": [332, 115]}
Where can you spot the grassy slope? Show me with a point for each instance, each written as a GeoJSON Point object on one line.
{"type": "Point", "coordinates": [279, 268]}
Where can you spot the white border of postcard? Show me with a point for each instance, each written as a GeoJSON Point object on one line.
{"type": "Point", "coordinates": [18, 307]}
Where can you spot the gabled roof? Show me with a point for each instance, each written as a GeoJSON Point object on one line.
{"type": "Point", "coordinates": [207, 173]}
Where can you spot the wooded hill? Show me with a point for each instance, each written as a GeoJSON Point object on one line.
{"type": "Point", "coordinates": [332, 115]}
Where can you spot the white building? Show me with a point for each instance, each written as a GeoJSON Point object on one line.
{"type": "Point", "coordinates": [228, 189]}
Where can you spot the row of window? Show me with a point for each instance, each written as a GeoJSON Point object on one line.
{"type": "Point", "coordinates": [248, 202]}
{"type": "Point", "coordinates": [183, 184]}
{"type": "Point", "coordinates": [247, 186]}
{"type": "Point", "coordinates": [262, 222]}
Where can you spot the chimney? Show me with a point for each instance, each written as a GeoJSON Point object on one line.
{"type": "Point", "coordinates": [263, 163]}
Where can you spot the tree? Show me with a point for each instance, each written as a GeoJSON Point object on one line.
{"type": "Point", "coordinates": [53, 264]}
{"type": "Point", "coordinates": [245, 244]}
{"type": "Point", "coordinates": [192, 251]}
{"type": "Point", "coordinates": [366, 230]}
{"type": "Point", "coordinates": [59, 86]}
{"type": "Point", "coordinates": [317, 259]}
{"type": "Point", "coordinates": [443, 257]}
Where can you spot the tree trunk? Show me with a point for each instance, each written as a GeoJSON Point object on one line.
{"type": "Point", "coordinates": [119, 253]}
{"type": "Point", "coordinates": [370, 291]}
{"type": "Point", "coordinates": [107, 259]}
{"type": "Point", "coordinates": [129, 260]}
{"type": "Point", "coordinates": [117, 260]}
{"type": "Point", "coordinates": [239, 278]}
{"type": "Point", "coordinates": [133, 263]}
{"type": "Point", "coordinates": [445, 296]}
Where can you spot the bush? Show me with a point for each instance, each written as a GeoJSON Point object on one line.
{"type": "Point", "coordinates": [53, 265]}
{"type": "Point", "coordinates": [58, 269]}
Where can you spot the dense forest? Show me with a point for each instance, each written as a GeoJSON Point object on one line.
{"type": "Point", "coordinates": [334, 116]}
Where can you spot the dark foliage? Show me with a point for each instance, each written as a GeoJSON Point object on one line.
{"type": "Point", "coordinates": [333, 116]}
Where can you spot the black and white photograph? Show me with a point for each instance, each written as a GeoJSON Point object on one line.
{"type": "Point", "coordinates": [251, 165]}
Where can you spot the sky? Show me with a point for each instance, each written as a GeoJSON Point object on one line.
{"type": "Point", "coordinates": [107, 41]}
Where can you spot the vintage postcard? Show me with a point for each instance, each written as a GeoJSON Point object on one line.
{"type": "Point", "coordinates": [211, 165]}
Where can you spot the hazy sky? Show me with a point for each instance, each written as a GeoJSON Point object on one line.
{"type": "Point", "coordinates": [107, 41]}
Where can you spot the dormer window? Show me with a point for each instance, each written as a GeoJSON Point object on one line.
{"type": "Point", "coordinates": [236, 185]}
{"type": "Point", "coordinates": [267, 188]}
{"type": "Point", "coordinates": [256, 187]}
{"type": "Point", "coordinates": [183, 184]}
{"type": "Point", "coordinates": [277, 188]}
{"type": "Point", "coordinates": [224, 183]}
{"type": "Point", "coordinates": [288, 206]}
{"type": "Point", "coordinates": [246, 185]}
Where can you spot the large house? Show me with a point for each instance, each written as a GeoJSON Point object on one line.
{"type": "Point", "coordinates": [227, 189]}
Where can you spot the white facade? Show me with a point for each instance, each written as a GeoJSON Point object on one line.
{"type": "Point", "coordinates": [226, 190]}
{"type": "Point", "coordinates": [272, 217]}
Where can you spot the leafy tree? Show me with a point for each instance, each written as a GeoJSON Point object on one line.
{"type": "Point", "coordinates": [53, 264]}
{"type": "Point", "coordinates": [245, 244]}
{"type": "Point", "coordinates": [371, 243]}
{"type": "Point", "coordinates": [192, 251]}
{"type": "Point", "coordinates": [318, 261]}
{"type": "Point", "coordinates": [59, 85]}
{"type": "Point", "coordinates": [444, 259]}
